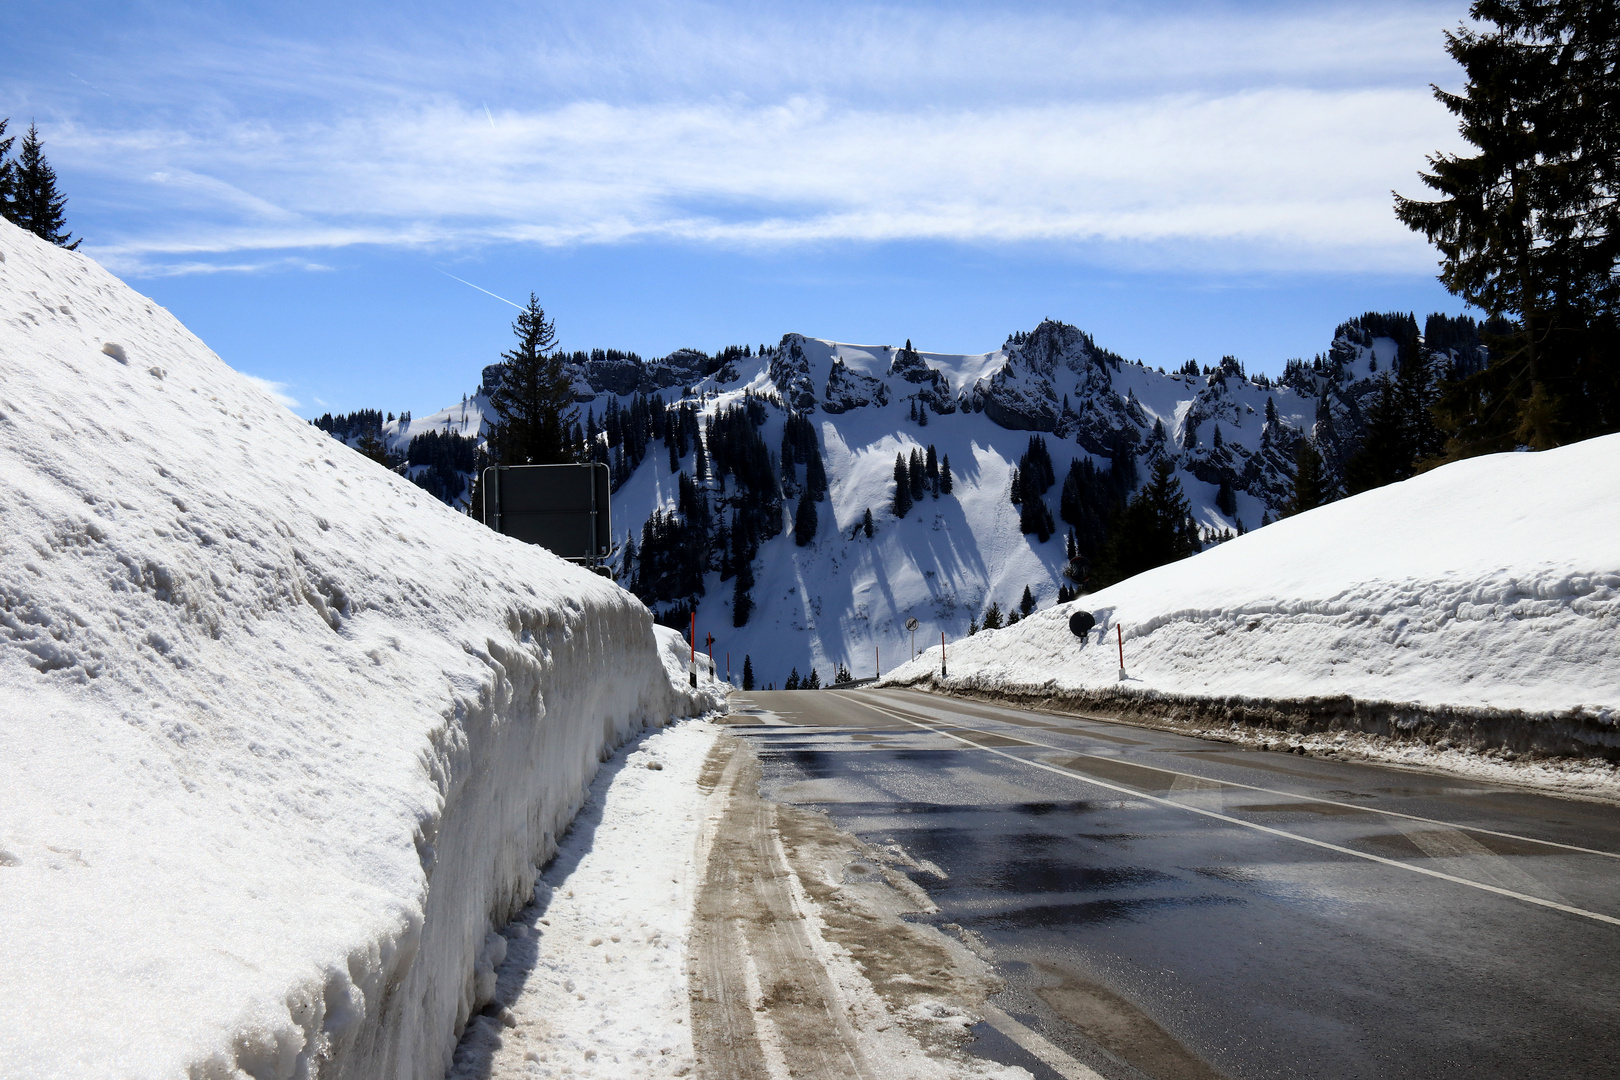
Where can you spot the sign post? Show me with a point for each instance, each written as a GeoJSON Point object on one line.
{"type": "Point", "coordinates": [1119, 630]}
{"type": "Point", "coordinates": [942, 654]}
{"type": "Point", "coordinates": [911, 624]}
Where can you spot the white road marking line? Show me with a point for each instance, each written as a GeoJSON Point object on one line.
{"type": "Point", "coordinates": [1039, 1045]}
{"type": "Point", "coordinates": [1526, 897]}
{"type": "Point", "coordinates": [1300, 796]}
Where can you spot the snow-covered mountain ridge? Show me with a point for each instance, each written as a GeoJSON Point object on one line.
{"type": "Point", "coordinates": [282, 737]}
{"type": "Point", "coordinates": [842, 600]}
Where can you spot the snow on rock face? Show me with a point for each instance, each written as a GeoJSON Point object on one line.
{"type": "Point", "coordinates": [1489, 583]}
{"type": "Point", "coordinates": [281, 737]}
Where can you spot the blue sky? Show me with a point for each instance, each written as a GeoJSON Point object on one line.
{"type": "Point", "coordinates": [298, 181]}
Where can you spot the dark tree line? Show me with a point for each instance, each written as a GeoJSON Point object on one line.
{"type": "Point", "coordinates": [1031, 480]}
{"type": "Point", "coordinates": [923, 474]}
{"type": "Point", "coordinates": [449, 458]}
{"type": "Point", "coordinates": [28, 195]}
{"type": "Point", "coordinates": [732, 463]}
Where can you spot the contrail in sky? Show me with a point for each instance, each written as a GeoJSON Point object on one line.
{"type": "Point", "coordinates": [491, 118]}
{"type": "Point", "coordinates": [480, 288]}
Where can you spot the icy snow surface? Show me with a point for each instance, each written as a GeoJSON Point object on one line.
{"type": "Point", "coordinates": [1493, 582]}
{"type": "Point", "coordinates": [609, 926]}
{"type": "Point", "coordinates": [281, 737]}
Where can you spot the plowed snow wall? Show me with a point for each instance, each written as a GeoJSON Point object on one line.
{"type": "Point", "coordinates": [282, 738]}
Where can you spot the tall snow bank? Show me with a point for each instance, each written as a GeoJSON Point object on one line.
{"type": "Point", "coordinates": [1487, 585]}
{"type": "Point", "coordinates": [282, 739]}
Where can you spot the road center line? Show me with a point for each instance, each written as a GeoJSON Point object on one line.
{"type": "Point", "coordinates": [1441, 875]}
{"type": "Point", "coordinates": [1293, 794]}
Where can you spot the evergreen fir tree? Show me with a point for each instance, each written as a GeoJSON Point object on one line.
{"type": "Point", "coordinates": [1386, 453]}
{"type": "Point", "coordinates": [1014, 617]}
{"type": "Point", "coordinates": [792, 680]}
{"type": "Point", "coordinates": [813, 682]}
{"type": "Point", "coordinates": [1529, 226]}
{"type": "Point", "coordinates": [945, 475]}
{"type": "Point", "coordinates": [7, 174]}
{"type": "Point", "coordinates": [804, 521]}
{"type": "Point", "coordinates": [748, 672]}
{"type": "Point", "coordinates": [866, 523]}
{"type": "Point", "coordinates": [902, 486]}
{"type": "Point", "coordinates": [918, 474]}
{"type": "Point", "coordinates": [1271, 411]}
{"type": "Point", "coordinates": [534, 403]}
{"type": "Point", "coordinates": [1026, 603]}
{"type": "Point", "coordinates": [1310, 484]}
{"type": "Point", "coordinates": [931, 471]}
{"type": "Point", "coordinates": [815, 476]}
{"type": "Point", "coordinates": [742, 602]}
{"type": "Point", "coordinates": [973, 627]}
{"type": "Point", "coordinates": [35, 203]}
{"type": "Point", "coordinates": [992, 616]}
{"type": "Point", "coordinates": [1155, 527]}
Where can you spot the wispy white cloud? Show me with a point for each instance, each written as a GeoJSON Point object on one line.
{"type": "Point", "coordinates": [1264, 139]}
{"type": "Point", "coordinates": [277, 390]}
{"type": "Point", "coordinates": [129, 262]}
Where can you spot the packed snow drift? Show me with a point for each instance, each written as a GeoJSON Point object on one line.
{"type": "Point", "coordinates": [282, 737]}
{"type": "Point", "coordinates": [1489, 585]}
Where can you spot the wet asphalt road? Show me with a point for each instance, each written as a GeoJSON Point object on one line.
{"type": "Point", "coordinates": [1172, 907]}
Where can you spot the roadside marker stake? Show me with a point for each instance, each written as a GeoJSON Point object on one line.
{"type": "Point", "coordinates": [1597, 916]}
{"type": "Point", "coordinates": [1119, 629]}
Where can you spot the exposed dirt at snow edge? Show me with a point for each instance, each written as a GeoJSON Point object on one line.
{"type": "Point", "coordinates": [1572, 754]}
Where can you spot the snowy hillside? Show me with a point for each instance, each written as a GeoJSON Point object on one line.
{"type": "Point", "coordinates": [844, 599]}
{"type": "Point", "coordinates": [282, 737]}
{"type": "Point", "coordinates": [1492, 583]}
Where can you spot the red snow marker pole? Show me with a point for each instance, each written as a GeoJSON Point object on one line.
{"type": "Point", "coordinates": [877, 664]}
{"type": "Point", "coordinates": [1119, 630]}
{"type": "Point", "coordinates": [942, 654]}
{"type": "Point", "coordinates": [691, 670]}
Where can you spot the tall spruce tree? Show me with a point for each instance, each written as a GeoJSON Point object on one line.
{"type": "Point", "coordinates": [7, 173]}
{"type": "Point", "coordinates": [804, 521]}
{"type": "Point", "coordinates": [534, 403]}
{"type": "Point", "coordinates": [748, 672]}
{"type": "Point", "coordinates": [1528, 228]}
{"type": "Point", "coordinates": [1311, 487]}
{"type": "Point", "coordinates": [902, 486]}
{"type": "Point", "coordinates": [742, 600]}
{"type": "Point", "coordinates": [992, 617]}
{"type": "Point", "coordinates": [34, 203]}
{"type": "Point", "coordinates": [1387, 452]}
{"type": "Point", "coordinates": [1154, 528]}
